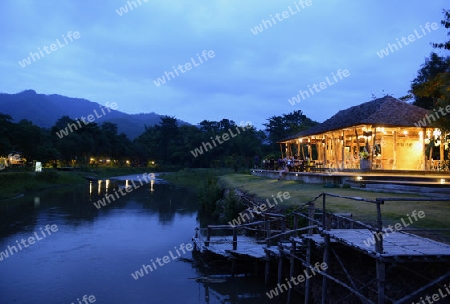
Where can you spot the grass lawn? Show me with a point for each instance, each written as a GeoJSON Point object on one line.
{"type": "Point", "coordinates": [436, 212]}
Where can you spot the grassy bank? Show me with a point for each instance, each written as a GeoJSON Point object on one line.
{"type": "Point", "coordinates": [105, 172]}
{"type": "Point", "coordinates": [193, 179]}
{"type": "Point", "coordinates": [436, 213]}
{"type": "Point", "coordinates": [17, 183]}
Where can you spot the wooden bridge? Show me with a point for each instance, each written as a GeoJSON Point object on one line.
{"type": "Point", "coordinates": [328, 232]}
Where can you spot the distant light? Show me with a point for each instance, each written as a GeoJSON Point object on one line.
{"type": "Point", "coordinates": [296, 174]}
{"type": "Point", "coordinates": [442, 181]}
{"type": "Point", "coordinates": [359, 178]}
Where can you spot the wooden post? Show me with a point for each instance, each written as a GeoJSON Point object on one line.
{"type": "Point", "coordinates": [292, 267]}
{"type": "Point", "coordinates": [308, 262]}
{"type": "Point", "coordinates": [234, 238]}
{"type": "Point", "coordinates": [280, 264]}
{"type": "Point", "coordinates": [326, 260]}
{"type": "Point", "coordinates": [323, 212]}
{"type": "Point", "coordinates": [208, 237]}
{"type": "Point", "coordinates": [343, 150]}
{"type": "Point", "coordinates": [424, 156]}
{"type": "Point", "coordinates": [379, 240]}
{"type": "Point", "coordinates": [267, 271]}
{"type": "Point", "coordinates": [381, 278]}
{"type": "Point", "coordinates": [394, 165]}
{"type": "Point", "coordinates": [311, 212]}
{"type": "Point", "coordinates": [441, 152]}
{"type": "Point", "coordinates": [326, 251]}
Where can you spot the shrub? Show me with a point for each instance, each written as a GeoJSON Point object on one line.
{"type": "Point", "coordinates": [209, 194]}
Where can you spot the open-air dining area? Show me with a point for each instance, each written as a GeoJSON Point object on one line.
{"type": "Point", "coordinates": [383, 134]}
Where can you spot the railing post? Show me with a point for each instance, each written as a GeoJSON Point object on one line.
{"type": "Point", "coordinates": [324, 226]}
{"type": "Point", "coordinates": [291, 267]}
{"type": "Point", "coordinates": [283, 224]}
{"type": "Point", "coordinates": [379, 239]}
{"type": "Point", "coordinates": [268, 232]}
{"type": "Point", "coordinates": [295, 223]}
{"type": "Point", "coordinates": [208, 236]}
{"type": "Point", "coordinates": [311, 212]}
{"type": "Point", "coordinates": [234, 238]}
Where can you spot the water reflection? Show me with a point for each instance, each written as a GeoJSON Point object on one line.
{"type": "Point", "coordinates": [37, 201]}
{"type": "Point", "coordinates": [94, 248]}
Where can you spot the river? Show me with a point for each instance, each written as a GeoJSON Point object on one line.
{"type": "Point", "coordinates": [57, 247]}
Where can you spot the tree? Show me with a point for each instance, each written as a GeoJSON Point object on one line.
{"type": "Point", "coordinates": [446, 24]}
{"type": "Point", "coordinates": [427, 86]}
{"type": "Point", "coordinates": [281, 127]}
{"type": "Point", "coordinates": [5, 134]}
{"type": "Point", "coordinates": [431, 88]}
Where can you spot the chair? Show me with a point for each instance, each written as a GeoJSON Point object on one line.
{"type": "Point", "coordinates": [377, 164]}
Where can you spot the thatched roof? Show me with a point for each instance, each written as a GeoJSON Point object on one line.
{"type": "Point", "coordinates": [387, 111]}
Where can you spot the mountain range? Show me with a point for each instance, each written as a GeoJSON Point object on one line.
{"type": "Point", "coordinates": [44, 110]}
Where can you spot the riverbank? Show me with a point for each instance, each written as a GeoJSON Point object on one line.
{"type": "Point", "coordinates": [193, 179]}
{"type": "Point", "coordinates": [263, 188]}
{"type": "Point", "coordinates": [16, 183]}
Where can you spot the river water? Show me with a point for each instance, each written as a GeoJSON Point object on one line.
{"type": "Point", "coordinates": [56, 247]}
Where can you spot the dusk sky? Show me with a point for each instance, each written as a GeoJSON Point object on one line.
{"type": "Point", "coordinates": [103, 53]}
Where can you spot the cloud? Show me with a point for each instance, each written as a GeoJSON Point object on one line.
{"type": "Point", "coordinates": [117, 57]}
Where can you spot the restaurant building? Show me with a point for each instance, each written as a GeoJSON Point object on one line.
{"type": "Point", "coordinates": [396, 136]}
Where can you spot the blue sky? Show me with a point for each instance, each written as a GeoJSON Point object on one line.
{"type": "Point", "coordinates": [118, 57]}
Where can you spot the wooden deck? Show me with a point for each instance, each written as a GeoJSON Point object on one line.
{"type": "Point", "coordinates": [395, 245]}
{"type": "Point", "coordinates": [331, 236]}
{"type": "Point", "coordinates": [223, 245]}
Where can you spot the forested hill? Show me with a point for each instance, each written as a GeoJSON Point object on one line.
{"type": "Point", "coordinates": [44, 110]}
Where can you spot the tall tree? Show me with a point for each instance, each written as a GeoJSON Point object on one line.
{"type": "Point", "coordinates": [431, 88]}
{"type": "Point", "coordinates": [280, 127]}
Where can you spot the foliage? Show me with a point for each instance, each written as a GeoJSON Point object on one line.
{"type": "Point", "coordinates": [364, 154]}
{"type": "Point", "coordinates": [431, 88]}
{"type": "Point", "coordinates": [230, 206]}
{"type": "Point", "coordinates": [209, 194]}
{"type": "Point", "coordinates": [165, 146]}
{"type": "Point", "coordinates": [281, 127]}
